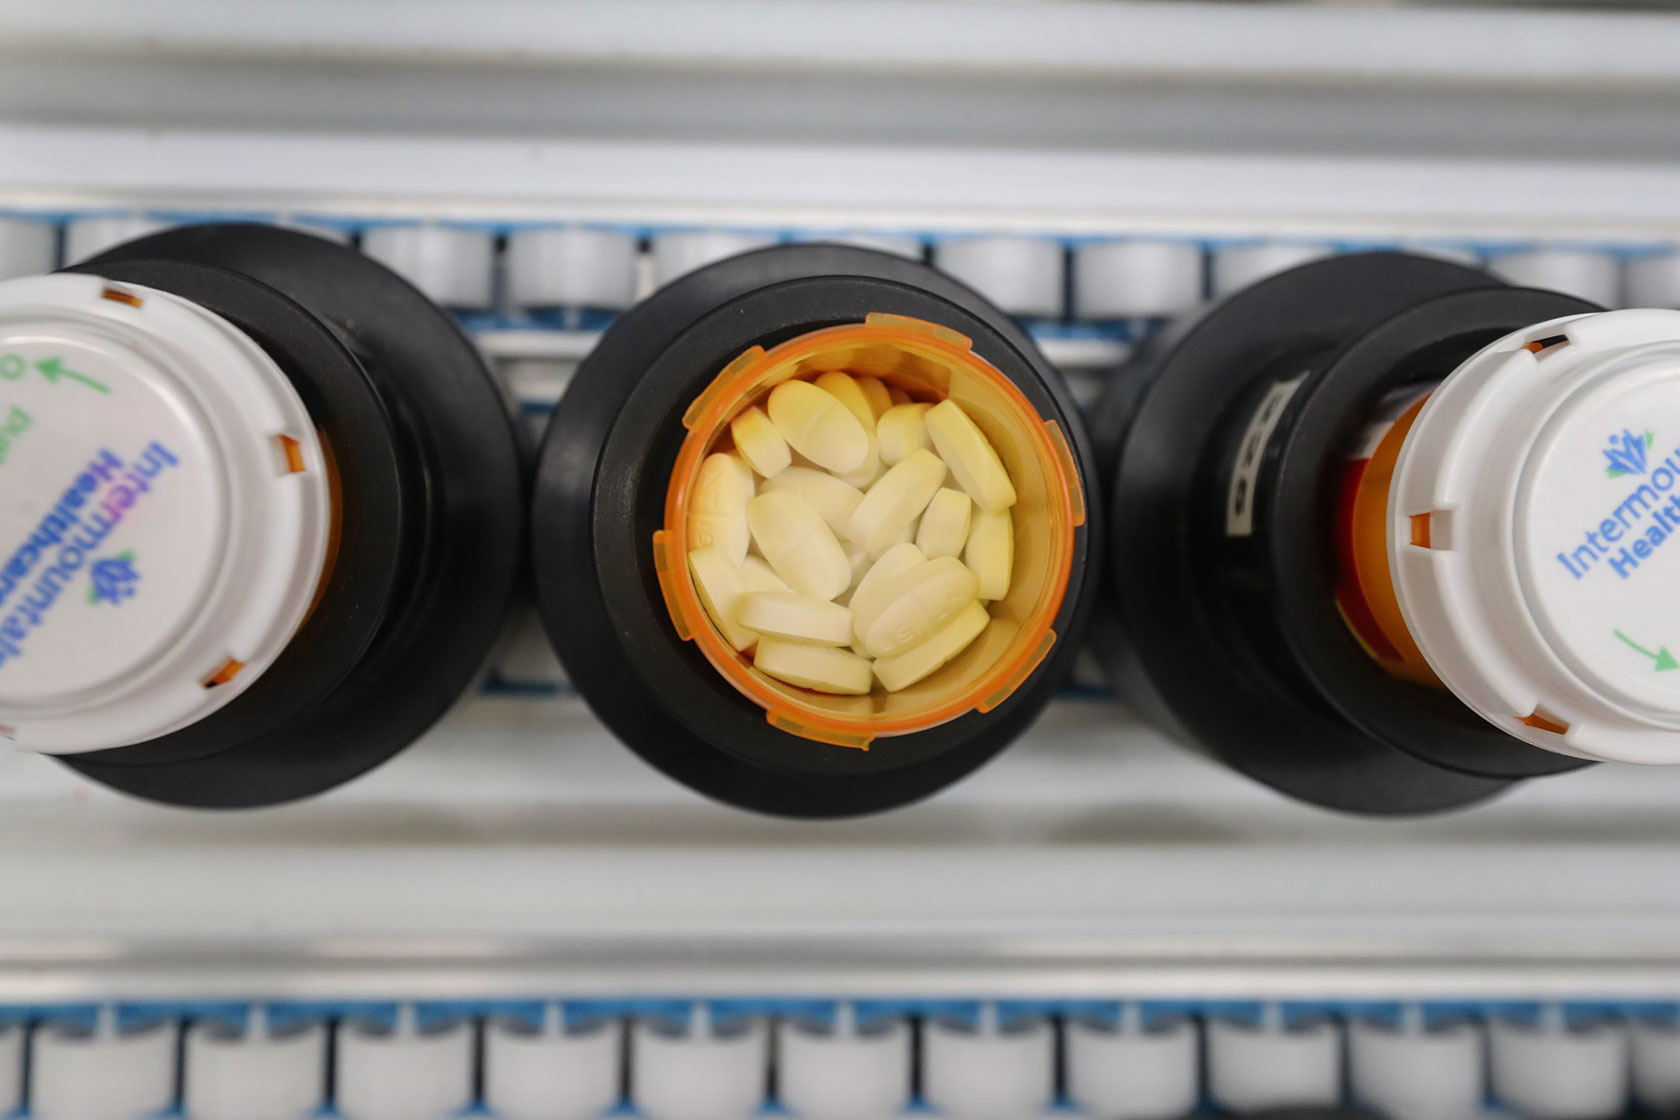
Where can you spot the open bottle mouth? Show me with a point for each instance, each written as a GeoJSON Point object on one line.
{"type": "Point", "coordinates": [929, 364]}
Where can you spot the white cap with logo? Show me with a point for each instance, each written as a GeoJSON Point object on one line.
{"type": "Point", "coordinates": [1535, 534]}
{"type": "Point", "coordinates": [165, 509]}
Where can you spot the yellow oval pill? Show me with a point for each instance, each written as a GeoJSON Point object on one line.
{"type": "Point", "coordinates": [944, 527]}
{"type": "Point", "coordinates": [759, 443]}
{"type": "Point", "coordinates": [868, 472]}
{"type": "Point", "coordinates": [990, 553]}
{"type": "Point", "coordinates": [918, 603]}
{"type": "Point", "coordinates": [818, 426]}
{"type": "Point", "coordinates": [896, 500]}
{"type": "Point", "coordinates": [875, 392]}
{"type": "Point", "coordinates": [796, 617]}
{"type": "Point", "coordinates": [867, 598]}
{"type": "Point", "coordinates": [718, 582]}
{"type": "Point", "coordinates": [973, 461]}
{"type": "Point", "coordinates": [918, 662]}
{"type": "Point", "coordinates": [848, 392]}
{"type": "Point", "coordinates": [757, 576]}
{"type": "Point", "coordinates": [845, 389]}
{"type": "Point", "coordinates": [717, 507]}
{"type": "Point", "coordinates": [833, 499]}
{"type": "Point", "coordinates": [820, 668]}
{"type": "Point", "coordinates": [798, 544]}
{"type": "Point", "coordinates": [901, 431]}
{"type": "Point", "coordinates": [906, 535]}
{"type": "Point", "coordinates": [860, 560]}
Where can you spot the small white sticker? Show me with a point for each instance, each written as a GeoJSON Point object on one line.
{"type": "Point", "coordinates": [1239, 501]}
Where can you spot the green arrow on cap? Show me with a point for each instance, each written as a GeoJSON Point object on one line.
{"type": "Point", "coordinates": [53, 369]}
{"type": "Point", "coordinates": [1664, 659]}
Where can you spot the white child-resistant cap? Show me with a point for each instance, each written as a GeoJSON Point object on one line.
{"type": "Point", "coordinates": [164, 513]}
{"type": "Point", "coordinates": [1535, 535]}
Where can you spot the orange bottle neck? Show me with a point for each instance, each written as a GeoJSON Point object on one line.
{"type": "Point", "coordinates": [1365, 591]}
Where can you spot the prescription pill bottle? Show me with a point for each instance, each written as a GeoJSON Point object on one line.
{"type": "Point", "coordinates": [612, 533]}
{"type": "Point", "coordinates": [1333, 486]}
{"type": "Point", "coordinates": [262, 517]}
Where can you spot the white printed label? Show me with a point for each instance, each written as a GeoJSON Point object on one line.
{"type": "Point", "coordinates": [1239, 500]}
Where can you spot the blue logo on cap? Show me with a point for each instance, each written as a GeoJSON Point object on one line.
{"type": "Point", "coordinates": [1627, 453]}
{"type": "Point", "coordinates": [114, 579]}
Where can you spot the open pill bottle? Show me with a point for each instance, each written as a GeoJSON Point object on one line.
{"type": "Point", "coordinates": [263, 515]}
{"type": "Point", "coordinates": [1376, 510]}
{"type": "Point", "coordinates": [660, 397]}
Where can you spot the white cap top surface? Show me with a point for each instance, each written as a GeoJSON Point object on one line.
{"type": "Point", "coordinates": [1552, 585]}
{"type": "Point", "coordinates": [1591, 551]}
{"type": "Point", "coordinates": [153, 528]}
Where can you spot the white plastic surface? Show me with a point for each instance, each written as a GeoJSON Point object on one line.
{"type": "Point", "coordinates": [1407, 1072]}
{"type": "Point", "coordinates": [27, 247]}
{"type": "Point", "coordinates": [1255, 51]}
{"type": "Point", "coordinates": [1588, 273]}
{"type": "Point", "coordinates": [1446, 251]}
{"type": "Point", "coordinates": [453, 266]}
{"type": "Point", "coordinates": [1546, 588]}
{"type": "Point", "coordinates": [256, 1073]}
{"type": "Point", "coordinates": [844, 1073]}
{"type": "Point", "coordinates": [989, 1073]}
{"type": "Point", "coordinates": [1022, 275]}
{"type": "Point", "coordinates": [404, 1073]}
{"type": "Point", "coordinates": [85, 237]}
{"type": "Point", "coordinates": [680, 252]}
{"type": "Point", "coordinates": [1129, 1072]}
{"type": "Point", "coordinates": [156, 532]}
{"type": "Point", "coordinates": [898, 244]}
{"type": "Point", "coordinates": [551, 1073]}
{"type": "Point", "coordinates": [337, 234]}
{"type": "Point", "coordinates": [1550, 1072]}
{"type": "Point", "coordinates": [699, 1073]}
{"type": "Point", "coordinates": [105, 1075]}
{"type": "Point", "coordinates": [1653, 280]}
{"type": "Point", "coordinates": [1238, 266]}
{"type": "Point", "coordinates": [1140, 279]}
{"type": "Point", "coordinates": [11, 1067]}
{"type": "Point", "coordinates": [1655, 1055]}
{"type": "Point", "coordinates": [1250, 1068]}
{"type": "Point", "coordinates": [1655, 1063]}
{"type": "Point", "coordinates": [571, 267]}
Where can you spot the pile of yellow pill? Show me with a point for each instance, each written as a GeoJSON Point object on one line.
{"type": "Point", "coordinates": [851, 535]}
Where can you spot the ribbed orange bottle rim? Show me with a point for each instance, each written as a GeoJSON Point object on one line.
{"type": "Point", "coordinates": [744, 382]}
{"type": "Point", "coordinates": [1365, 588]}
